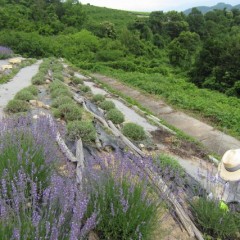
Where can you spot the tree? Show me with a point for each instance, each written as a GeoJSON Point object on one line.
{"type": "Point", "coordinates": [156, 20]}
{"type": "Point", "coordinates": [182, 49]}
{"type": "Point", "coordinates": [175, 24]}
{"type": "Point", "coordinates": [107, 29]}
{"type": "Point", "coordinates": [196, 22]}
{"type": "Point", "coordinates": [141, 26]}
{"type": "Point", "coordinates": [74, 15]}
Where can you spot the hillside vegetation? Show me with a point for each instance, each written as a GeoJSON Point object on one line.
{"type": "Point", "coordinates": [165, 48]}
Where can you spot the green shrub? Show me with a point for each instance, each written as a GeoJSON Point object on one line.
{"type": "Point", "coordinates": [16, 106]}
{"type": "Point", "coordinates": [81, 129]}
{"type": "Point", "coordinates": [61, 100]}
{"type": "Point", "coordinates": [33, 90]}
{"type": "Point", "coordinates": [168, 162]}
{"type": "Point", "coordinates": [71, 72]}
{"type": "Point", "coordinates": [70, 112]}
{"type": "Point", "coordinates": [60, 92]}
{"type": "Point", "coordinates": [115, 116]}
{"type": "Point", "coordinates": [98, 98]}
{"type": "Point", "coordinates": [56, 66]}
{"type": "Point", "coordinates": [134, 131]}
{"type": "Point", "coordinates": [56, 113]}
{"type": "Point", "coordinates": [58, 76]}
{"type": "Point", "coordinates": [107, 105]}
{"type": "Point", "coordinates": [127, 210]}
{"type": "Point", "coordinates": [24, 95]}
{"type": "Point", "coordinates": [214, 221]}
{"type": "Point", "coordinates": [76, 80]}
{"type": "Point", "coordinates": [85, 89]}
{"type": "Point", "coordinates": [38, 79]}
{"type": "Point", "coordinates": [56, 84]}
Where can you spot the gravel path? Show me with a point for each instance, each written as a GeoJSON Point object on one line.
{"type": "Point", "coordinates": [20, 81]}
{"type": "Point", "coordinates": [214, 140]}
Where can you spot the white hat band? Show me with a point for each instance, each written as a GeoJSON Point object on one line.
{"type": "Point", "coordinates": [234, 169]}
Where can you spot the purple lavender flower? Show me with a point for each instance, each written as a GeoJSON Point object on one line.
{"type": "Point", "coordinates": [16, 234]}
{"type": "Point", "coordinates": [5, 52]}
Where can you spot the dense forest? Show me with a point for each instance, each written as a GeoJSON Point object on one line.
{"type": "Point", "coordinates": [203, 49]}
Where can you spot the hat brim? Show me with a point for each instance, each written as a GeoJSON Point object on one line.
{"type": "Point", "coordinates": [226, 175]}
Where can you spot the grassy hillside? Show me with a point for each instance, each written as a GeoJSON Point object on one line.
{"type": "Point", "coordinates": [98, 15]}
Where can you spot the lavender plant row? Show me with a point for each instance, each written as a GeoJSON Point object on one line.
{"type": "Point", "coordinates": [5, 52]}
{"type": "Point", "coordinates": [37, 203]}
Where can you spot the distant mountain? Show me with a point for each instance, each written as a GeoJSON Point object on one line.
{"type": "Point", "coordinates": [205, 9]}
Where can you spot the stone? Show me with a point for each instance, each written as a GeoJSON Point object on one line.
{"type": "Point", "coordinates": [141, 146]}
{"type": "Point", "coordinates": [42, 114]}
{"type": "Point", "coordinates": [35, 117]}
{"type": "Point", "coordinates": [33, 102]}
{"type": "Point", "coordinates": [93, 236]}
{"type": "Point", "coordinates": [7, 66]}
{"type": "Point", "coordinates": [48, 81]}
{"type": "Point", "coordinates": [36, 103]}
{"type": "Point", "coordinates": [46, 107]}
{"type": "Point", "coordinates": [15, 60]}
{"type": "Point", "coordinates": [29, 205]}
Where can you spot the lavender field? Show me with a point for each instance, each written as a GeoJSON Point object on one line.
{"type": "Point", "coordinates": [74, 166]}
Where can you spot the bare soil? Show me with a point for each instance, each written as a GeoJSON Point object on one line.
{"type": "Point", "coordinates": [180, 147]}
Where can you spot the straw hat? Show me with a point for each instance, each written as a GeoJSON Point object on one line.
{"type": "Point", "coordinates": [229, 167]}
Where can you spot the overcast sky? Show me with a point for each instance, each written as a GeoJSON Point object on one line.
{"type": "Point", "coordinates": [152, 5]}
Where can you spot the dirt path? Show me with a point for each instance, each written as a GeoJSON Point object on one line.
{"type": "Point", "coordinates": [20, 81]}
{"type": "Point", "coordinates": [216, 141]}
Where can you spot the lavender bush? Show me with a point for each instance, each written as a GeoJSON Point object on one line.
{"type": "Point", "coordinates": [22, 145]}
{"type": "Point", "coordinates": [5, 52]}
{"type": "Point", "coordinates": [215, 222]}
{"type": "Point", "coordinates": [36, 203]}
{"type": "Point", "coordinates": [58, 213]}
{"type": "Point", "coordinates": [127, 206]}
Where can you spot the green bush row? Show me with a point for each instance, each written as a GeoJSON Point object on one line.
{"type": "Point", "coordinates": [65, 107]}
{"type": "Point", "coordinates": [20, 101]}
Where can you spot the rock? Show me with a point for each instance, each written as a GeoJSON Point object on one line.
{"type": "Point", "coordinates": [29, 205]}
{"type": "Point", "coordinates": [46, 107]}
{"type": "Point", "coordinates": [48, 81]}
{"type": "Point", "coordinates": [36, 103]}
{"type": "Point", "coordinates": [15, 60]}
{"type": "Point", "coordinates": [42, 114]}
{"type": "Point", "coordinates": [7, 66]}
{"type": "Point", "coordinates": [40, 104]}
{"type": "Point", "coordinates": [33, 102]}
{"type": "Point", "coordinates": [93, 236]}
{"type": "Point", "coordinates": [141, 146]}
{"type": "Point", "coordinates": [35, 117]}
